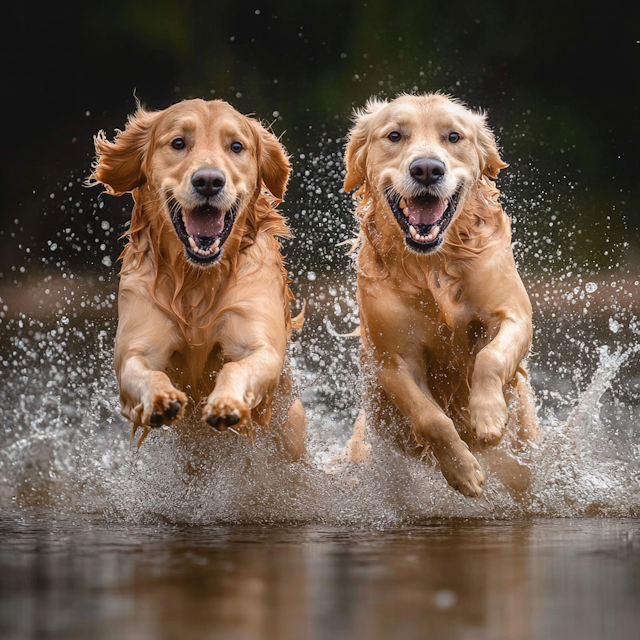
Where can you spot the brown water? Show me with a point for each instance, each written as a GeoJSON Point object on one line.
{"type": "Point", "coordinates": [543, 579]}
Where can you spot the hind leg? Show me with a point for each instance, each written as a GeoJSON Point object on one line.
{"type": "Point", "coordinates": [357, 449]}
{"type": "Point", "coordinates": [294, 431]}
{"type": "Point", "coordinates": [523, 420]}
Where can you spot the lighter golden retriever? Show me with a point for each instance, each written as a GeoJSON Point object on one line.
{"type": "Point", "coordinates": [203, 301]}
{"type": "Point", "coordinates": [445, 318]}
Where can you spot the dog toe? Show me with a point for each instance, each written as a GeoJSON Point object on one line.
{"type": "Point", "coordinates": [215, 422]}
{"type": "Point", "coordinates": [222, 423]}
{"type": "Point", "coordinates": [225, 413]}
{"type": "Point", "coordinates": [172, 410]}
{"type": "Point", "coordinates": [156, 419]}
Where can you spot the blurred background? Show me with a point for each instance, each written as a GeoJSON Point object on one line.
{"type": "Point", "coordinates": [559, 81]}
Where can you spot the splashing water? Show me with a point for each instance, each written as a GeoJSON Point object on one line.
{"type": "Point", "coordinates": [65, 446]}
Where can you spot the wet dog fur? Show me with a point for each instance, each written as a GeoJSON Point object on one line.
{"type": "Point", "coordinates": [445, 318]}
{"type": "Point", "coordinates": [203, 307]}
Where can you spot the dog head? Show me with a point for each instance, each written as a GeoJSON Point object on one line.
{"type": "Point", "coordinates": [203, 162]}
{"type": "Point", "coordinates": [420, 155]}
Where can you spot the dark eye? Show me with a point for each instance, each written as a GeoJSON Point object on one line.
{"type": "Point", "coordinates": [395, 136]}
{"type": "Point", "coordinates": [454, 137]}
{"type": "Point", "coordinates": [178, 143]}
{"type": "Point", "coordinates": [236, 147]}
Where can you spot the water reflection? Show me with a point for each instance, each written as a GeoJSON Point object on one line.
{"type": "Point", "coordinates": [455, 579]}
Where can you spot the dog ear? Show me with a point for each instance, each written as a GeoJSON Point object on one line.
{"type": "Point", "coordinates": [273, 161]}
{"type": "Point", "coordinates": [355, 157]}
{"type": "Point", "coordinates": [490, 160]}
{"type": "Point", "coordinates": [119, 164]}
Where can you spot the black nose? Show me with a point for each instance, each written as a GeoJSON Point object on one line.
{"type": "Point", "coordinates": [208, 182]}
{"type": "Point", "coordinates": [427, 170]}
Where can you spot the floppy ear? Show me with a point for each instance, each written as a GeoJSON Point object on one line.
{"type": "Point", "coordinates": [490, 160]}
{"type": "Point", "coordinates": [119, 164]}
{"type": "Point", "coordinates": [355, 157]}
{"type": "Point", "coordinates": [273, 161]}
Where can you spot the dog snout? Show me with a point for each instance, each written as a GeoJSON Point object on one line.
{"type": "Point", "coordinates": [208, 182]}
{"type": "Point", "coordinates": [427, 170]}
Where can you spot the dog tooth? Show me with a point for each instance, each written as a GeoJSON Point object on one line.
{"type": "Point", "coordinates": [215, 245]}
{"type": "Point", "coordinates": [403, 203]}
{"type": "Point", "coordinates": [192, 243]}
{"type": "Point", "coordinates": [433, 233]}
{"type": "Point", "coordinates": [412, 231]}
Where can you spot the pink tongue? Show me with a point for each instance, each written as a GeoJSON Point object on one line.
{"type": "Point", "coordinates": [208, 223]}
{"type": "Point", "coordinates": [424, 212]}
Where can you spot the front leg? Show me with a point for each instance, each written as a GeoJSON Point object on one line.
{"type": "Point", "coordinates": [148, 397]}
{"type": "Point", "coordinates": [145, 340]}
{"type": "Point", "coordinates": [495, 366]}
{"type": "Point", "coordinates": [431, 424]}
{"type": "Point", "coordinates": [243, 385]}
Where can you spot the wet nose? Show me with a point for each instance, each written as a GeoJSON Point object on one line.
{"type": "Point", "coordinates": [427, 170]}
{"type": "Point", "coordinates": [208, 182]}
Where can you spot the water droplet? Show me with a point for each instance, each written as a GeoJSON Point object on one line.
{"type": "Point", "coordinates": [444, 599]}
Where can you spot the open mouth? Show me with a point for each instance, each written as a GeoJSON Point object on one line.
{"type": "Point", "coordinates": [423, 218]}
{"type": "Point", "coordinates": [203, 230]}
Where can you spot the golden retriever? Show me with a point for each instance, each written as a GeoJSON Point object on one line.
{"type": "Point", "coordinates": [445, 318]}
{"type": "Point", "coordinates": [203, 307]}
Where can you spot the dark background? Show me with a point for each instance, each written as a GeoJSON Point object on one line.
{"type": "Point", "coordinates": [559, 79]}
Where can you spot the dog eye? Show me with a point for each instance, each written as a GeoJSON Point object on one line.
{"type": "Point", "coordinates": [454, 137]}
{"type": "Point", "coordinates": [236, 147]}
{"type": "Point", "coordinates": [395, 136]}
{"type": "Point", "coordinates": [178, 143]}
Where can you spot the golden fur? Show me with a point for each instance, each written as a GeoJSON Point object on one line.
{"type": "Point", "coordinates": [216, 330]}
{"type": "Point", "coordinates": [445, 328]}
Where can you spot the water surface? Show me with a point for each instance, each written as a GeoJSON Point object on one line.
{"type": "Point", "coordinates": [538, 579]}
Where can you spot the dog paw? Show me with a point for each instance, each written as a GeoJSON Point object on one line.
{"type": "Point", "coordinates": [460, 468]}
{"type": "Point", "coordinates": [488, 419]}
{"type": "Point", "coordinates": [225, 413]}
{"type": "Point", "coordinates": [163, 407]}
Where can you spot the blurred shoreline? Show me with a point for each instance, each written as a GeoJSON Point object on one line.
{"type": "Point", "coordinates": [85, 295]}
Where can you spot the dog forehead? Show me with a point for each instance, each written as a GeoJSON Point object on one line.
{"type": "Point", "coordinates": [427, 112]}
{"type": "Point", "coordinates": [207, 116]}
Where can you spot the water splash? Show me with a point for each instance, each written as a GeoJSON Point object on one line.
{"type": "Point", "coordinates": [65, 447]}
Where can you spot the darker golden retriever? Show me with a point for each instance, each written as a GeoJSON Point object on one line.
{"type": "Point", "coordinates": [203, 301]}
{"type": "Point", "coordinates": [445, 318]}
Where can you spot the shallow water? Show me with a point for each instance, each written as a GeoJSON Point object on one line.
{"type": "Point", "coordinates": [535, 579]}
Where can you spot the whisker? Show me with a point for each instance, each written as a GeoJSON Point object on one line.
{"type": "Point", "coordinates": [392, 195]}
